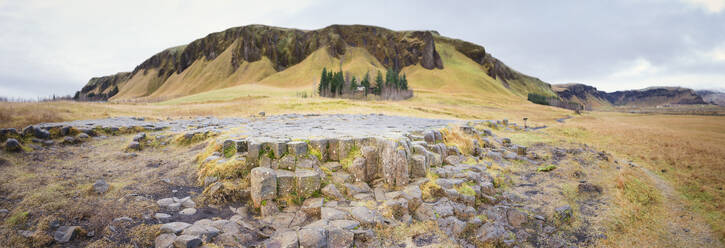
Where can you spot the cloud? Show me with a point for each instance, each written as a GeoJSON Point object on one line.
{"type": "Point", "coordinates": [54, 47]}
{"type": "Point", "coordinates": [51, 47]}
{"type": "Point", "coordinates": [716, 54]}
{"type": "Point", "coordinates": [637, 68]}
{"type": "Point", "coordinates": [709, 6]}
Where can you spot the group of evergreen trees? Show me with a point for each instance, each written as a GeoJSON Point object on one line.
{"type": "Point", "coordinates": [336, 84]}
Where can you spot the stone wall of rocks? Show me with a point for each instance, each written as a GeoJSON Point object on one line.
{"type": "Point", "coordinates": [348, 186]}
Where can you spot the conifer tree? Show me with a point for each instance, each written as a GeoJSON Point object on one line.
{"type": "Point", "coordinates": [378, 83]}
{"type": "Point", "coordinates": [324, 83]}
{"type": "Point", "coordinates": [366, 82]}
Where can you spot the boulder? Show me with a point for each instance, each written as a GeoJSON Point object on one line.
{"type": "Point", "coordinates": [341, 177]}
{"type": "Point", "coordinates": [414, 195]}
{"type": "Point", "coordinates": [333, 149]}
{"type": "Point", "coordinates": [397, 207]}
{"type": "Point", "coordinates": [516, 218]}
{"type": "Point", "coordinates": [563, 214]}
{"type": "Point", "coordinates": [338, 237]}
{"type": "Point", "coordinates": [418, 166]}
{"type": "Point", "coordinates": [451, 225]}
{"type": "Point", "coordinates": [268, 208]}
{"type": "Point", "coordinates": [357, 188]}
{"type": "Point", "coordinates": [279, 148]}
{"type": "Point", "coordinates": [162, 217]}
{"type": "Point", "coordinates": [364, 215]}
{"type": "Point", "coordinates": [424, 212]}
{"type": "Point", "coordinates": [433, 159]}
{"type": "Point", "coordinates": [307, 182]}
{"type": "Point", "coordinates": [286, 239]}
{"type": "Point", "coordinates": [327, 213]}
{"type": "Point", "coordinates": [188, 211]}
{"type": "Point", "coordinates": [394, 165]}
{"type": "Point", "coordinates": [320, 146]}
{"type": "Point", "coordinates": [454, 159]}
{"type": "Point", "coordinates": [506, 142]}
{"type": "Point", "coordinates": [187, 241]}
{"type": "Point", "coordinates": [345, 146]}
{"type": "Point", "coordinates": [254, 148]}
{"type": "Point", "coordinates": [174, 227]}
{"type": "Point", "coordinates": [429, 137]}
{"type": "Point", "coordinates": [134, 146]}
{"type": "Point", "coordinates": [345, 224]}
{"type": "Point", "coordinates": [307, 163]}
{"type": "Point", "coordinates": [332, 192]}
{"type": "Point", "coordinates": [297, 148]}
{"type": "Point", "coordinates": [589, 188]}
{"type": "Point", "coordinates": [69, 140]}
{"type": "Point", "coordinates": [12, 145]}
{"type": "Point", "coordinates": [313, 237]}
{"type": "Point", "coordinates": [65, 233]}
{"type": "Point", "coordinates": [312, 206]}
{"type": "Point", "coordinates": [358, 170]}
{"type": "Point", "coordinates": [263, 185]}
{"type": "Point", "coordinates": [491, 233]}
{"type": "Point", "coordinates": [332, 166]}
{"type": "Point", "coordinates": [241, 145]}
{"type": "Point", "coordinates": [100, 186]}
{"type": "Point", "coordinates": [41, 133]}
{"type": "Point", "coordinates": [165, 240]}
{"type": "Point", "coordinates": [285, 182]}
{"type": "Point", "coordinates": [203, 230]}
{"type": "Point", "coordinates": [139, 137]}
{"type": "Point", "coordinates": [370, 153]}
{"type": "Point", "coordinates": [521, 150]}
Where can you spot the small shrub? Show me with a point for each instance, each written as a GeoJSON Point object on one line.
{"type": "Point", "coordinates": [538, 99]}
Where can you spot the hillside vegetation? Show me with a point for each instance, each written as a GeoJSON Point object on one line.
{"type": "Point", "coordinates": [290, 58]}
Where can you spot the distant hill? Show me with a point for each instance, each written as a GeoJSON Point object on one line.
{"type": "Point", "coordinates": [292, 58]}
{"type": "Point", "coordinates": [592, 98]}
{"type": "Point", "coordinates": [712, 96]}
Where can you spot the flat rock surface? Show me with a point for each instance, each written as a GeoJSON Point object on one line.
{"type": "Point", "coordinates": [290, 126]}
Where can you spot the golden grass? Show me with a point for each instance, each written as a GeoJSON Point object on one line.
{"type": "Point", "coordinates": [689, 149]}
{"type": "Point", "coordinates": [637, 220]}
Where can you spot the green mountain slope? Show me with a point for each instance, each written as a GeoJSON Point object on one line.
{"type": "Point", "coordinates": [291, 58]}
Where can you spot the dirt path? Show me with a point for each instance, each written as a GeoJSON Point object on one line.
{"type": "Point", "coordinates": [686, 228]}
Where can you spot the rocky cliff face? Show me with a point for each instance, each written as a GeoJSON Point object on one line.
{"type": "Point", "coordinates": [591, 97]}
{"type": "Point", "coordinates": [655, 96]}
{"type": "Point", "coordinates": [287, 47]}
{"type": "Point", "coordinates": [713, 97]}
{"type": "Point", "coordinates": [102, 88]}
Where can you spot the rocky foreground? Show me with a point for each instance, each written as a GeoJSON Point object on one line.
{"type": "Point", "coordinates": [341, 181]}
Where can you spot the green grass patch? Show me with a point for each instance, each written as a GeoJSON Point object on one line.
{"type": "Point", "coordinates": [545, 168]}
{"type": "Point", "coordinates": [347, 161]}
{"type": "Point", "coordinates": [17, 218]}
{"type": "Point", "coordinates": [466, 190]}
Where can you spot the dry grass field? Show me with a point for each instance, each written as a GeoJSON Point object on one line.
{"type": "Point", "coordinates": [676, 185]}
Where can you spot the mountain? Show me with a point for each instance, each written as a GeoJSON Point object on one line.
{"type": "Point", "coordinates": [711, 96]}
{"type": "Point", "coordinates": [592, 98]}
{"type": "Point", "coordinates": [293, 58]}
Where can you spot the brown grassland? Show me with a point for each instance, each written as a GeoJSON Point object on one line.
{"type": "Point", "coordinates": [683, 155]}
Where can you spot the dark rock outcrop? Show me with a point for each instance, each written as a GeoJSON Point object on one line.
{"type": "Point", "coordinates": [102, 88]}
{"type": "Point", "coordinates": [589, 96]}
{"type": "Point", "coordinates": [712, 97]}
{"type": "Point", "coordinates": [655, 96]}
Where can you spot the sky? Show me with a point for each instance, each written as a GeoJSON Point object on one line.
{"type": "Point", "coordinates": [54, 47]}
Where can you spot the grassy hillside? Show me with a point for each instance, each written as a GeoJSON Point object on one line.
{"type": "Point", "coordinates": [290, 58]}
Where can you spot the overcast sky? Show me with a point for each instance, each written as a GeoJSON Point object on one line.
{"type": "Point", "coordinates": [54, 47]}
